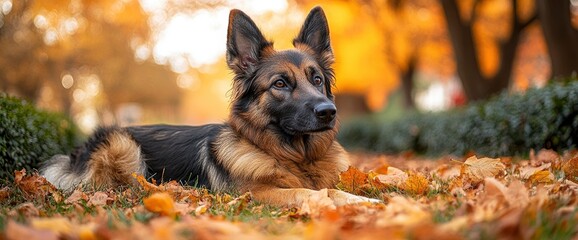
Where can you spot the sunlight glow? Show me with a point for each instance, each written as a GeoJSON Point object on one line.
{"type": "Point", "coordinates": [197, 39]}
{"type": "Point", "coordinates": [200, 37]}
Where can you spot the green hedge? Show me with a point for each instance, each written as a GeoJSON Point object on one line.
{"type": "Point", "coordinates": [29, 136]}
{"type": "Point", "coordinates": [510, 124]}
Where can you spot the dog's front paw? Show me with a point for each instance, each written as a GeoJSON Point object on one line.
{"type": "Point", "coordinates": [354, 199]}
{"type": "Point", "coordinates": [343, 198]}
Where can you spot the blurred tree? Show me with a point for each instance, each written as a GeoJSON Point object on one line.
{"type": "Point", "coordinates": [56, 44]}
{"type": "Point", "coordinates": [414, 38]}
{"type": "Point", "coordinates": [481, 81]}
{"type": "Point", "coordinates": [561, 37]}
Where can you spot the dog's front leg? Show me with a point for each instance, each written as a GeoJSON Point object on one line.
{"type": "Point", "coordinates": [342, 198]}
{"type": "Point", "coordinates": [297, 196]}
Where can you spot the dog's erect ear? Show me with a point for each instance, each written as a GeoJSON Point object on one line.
{"type": "Point", "coordinates": [245, 43]}
{"type": "Point", "coordinates": [315, 33]}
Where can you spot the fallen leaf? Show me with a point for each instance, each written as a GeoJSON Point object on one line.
{"type": "Point", "coordinates": [59, 225]}
{"type": "Point", "coordinates": [4, 193]}
{"type": "Point", "coordinates": [16, 231]}
{"type": "Point", "coordinates": [76, 196]}
{"type": "Point", "coordinates": [527, 171]}
{"type": "Point", "coordinates": [544, 156]}
{"type": "Point", "coordinates": [27, 209]}
{"type": "Point", "coordinates": [476, 169]}
{"type": "Point", "coordinates": [570, 169]}
{"type": "Point", "coordinates": [147, 186]}
{"type": "Point", "coordinates": [34, 186]}
{"type": "Point", "coordinates": [86, 232]}
{"type": "Point", "coordinates": [99, 199]}
{"type": "Point", "coordinates": [416, 183]}
{"type": "Point", "coordinates": [394, 177]}
{"type": "Point", "coordinates": [543, 176]}
{"type": "Point", "coordinates": [160, 202]}
{"type": "Point", "coordinates": [401, 211]}
{"type": "Point", "coordinates": [382, 169]}
{"type": "Point", "coordinates": [352, 180]}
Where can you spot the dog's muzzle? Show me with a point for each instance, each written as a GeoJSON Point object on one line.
{"type": "Point", "coordinates": [325, 112]}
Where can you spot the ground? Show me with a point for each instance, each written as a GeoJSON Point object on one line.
{"type": "Point", "coordinates": [443, 198]}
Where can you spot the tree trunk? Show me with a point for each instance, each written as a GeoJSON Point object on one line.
{"type": "Point", "coordinates": [407, 82]}
{"type": "Point", "coordinates": [561, 37]}
{"type": "Point", "coordinates": [477, 86]}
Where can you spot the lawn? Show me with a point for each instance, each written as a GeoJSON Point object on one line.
{"type": "Point", "coordinates": [443, 198]}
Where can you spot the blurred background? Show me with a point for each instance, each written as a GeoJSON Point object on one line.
{"type": "Point", "coordinates": [162, 61]}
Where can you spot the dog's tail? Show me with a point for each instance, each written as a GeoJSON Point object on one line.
{"type": "Point", "coordinates": [109, 158]}
{"type": "Point", "coordinates": [58, 171]}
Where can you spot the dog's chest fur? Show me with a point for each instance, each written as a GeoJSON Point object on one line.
{"type": "Point", "coordinates": [249, 165]}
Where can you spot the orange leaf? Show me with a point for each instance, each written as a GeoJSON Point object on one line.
{"type": "Point", "coordinates": [416, 183]}
{"type": "Point", "coordinates": [543, 176]}
{"type": "Point", "coordinates": [382, 169]}
{"type": "Point", "coordinates": [161, 203]}
{"type": "Point", "coordinates": [147, 186]}
{"type": "Point", "coordinates": [570, 169]}
{"type": "Point", "coordinates": [352, 180]}
{"type": "Point", "coordinates": [35, 186]}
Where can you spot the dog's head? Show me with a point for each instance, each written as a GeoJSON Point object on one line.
{"type": "Point", "coordinates": [288, 91]}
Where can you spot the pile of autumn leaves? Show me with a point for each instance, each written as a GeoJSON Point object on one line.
{"type": "Point", "coordinates": [436, 199]}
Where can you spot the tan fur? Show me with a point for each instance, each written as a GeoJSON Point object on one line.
{"type": "Point", "coordinates": [114, 163]}
{"type": "Point", "coordinates": [281, 181]}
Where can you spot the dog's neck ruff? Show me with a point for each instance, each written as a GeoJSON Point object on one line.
{"type": "Point", "coordinates": [300, 149]}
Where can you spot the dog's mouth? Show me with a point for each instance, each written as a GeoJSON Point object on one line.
{"type": "Point", "coordinates": [302, 131]}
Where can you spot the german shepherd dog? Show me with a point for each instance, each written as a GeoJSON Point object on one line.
{"type": "Point", "coordinates": [279, 142]}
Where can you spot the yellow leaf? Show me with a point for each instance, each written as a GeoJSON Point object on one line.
{"type": "Point", "coordinates": [416, 183]}
{"type": "Point", "coordinates": [161, 203]}
{"type": "Point", "coordinates": [543, 176]}
{"type": "Point", "coordinates": [476, 169]}
{"type": "Point", "coordinates": [57, 225]}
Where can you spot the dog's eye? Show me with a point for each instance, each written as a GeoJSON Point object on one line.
{"type": "Point", "coordinates": [317, 81]}
{"type": "Point", "coordinates": [280, 84]}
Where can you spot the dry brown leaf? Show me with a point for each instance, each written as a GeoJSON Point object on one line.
{"type": "Point", "coordinates": [394, 177]}
{"type": "Point", "coordinates": [401, 211]}
{"type": "Point", "coordinates": [99, 199]}
{"type": "Point", "coordinates": [4, 193]}
{"type": "Point", "coordinates": [447, 172]}
{"type": "Point", "coordinates": [527, 171]}
{"type": "Point", "coordinates": [570, 169]}
{"type": "Point", "coordinates": [495, 188]}
{"type": "Point", "coordinates": [518, 195]}
{"type": "Point", "coordinates": [543, 176]}
{"type": "Point", "coordinates": [76, 196]}
{"type": "Point", "coordinates": [416, 183]}
{"type": "Point", "coordinates": [476, 169]}
{"type": "Point", "coordinates": [544, 156]}
{"type": "Point", "coordinates": [35, 186]}
{"type": "Point", "coordinates": [160, 202]}
{"type": "Point", "coordinates": [27, 209]}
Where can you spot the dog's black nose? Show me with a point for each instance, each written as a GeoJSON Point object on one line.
{"type": "Point", "coordinates": [325, 111]}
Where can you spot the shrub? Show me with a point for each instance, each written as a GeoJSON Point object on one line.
{"type": "Point", "coordinates": [510, 124]}
{"type": "Point", "coordinates": [29, 136]}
